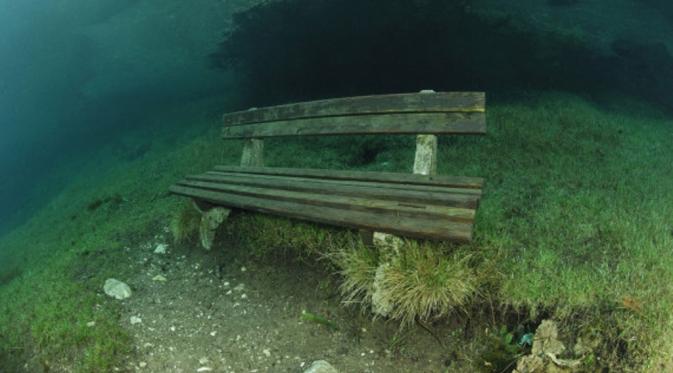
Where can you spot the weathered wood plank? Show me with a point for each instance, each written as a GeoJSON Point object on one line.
{"type": "Point", "coordinates": [439, 102]}
{"type": "Point", "coordinates": [400, 124]}
{"type": "Point", "coordinates": [384, 177]}
{"type": "Point", "coordinates": [410, 210]}
{"type": "Point", "coordinates": [433, 228]}
{"type": "Point", "coordinates": [343, 188]}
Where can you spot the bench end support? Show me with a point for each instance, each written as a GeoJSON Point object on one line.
{"type": "Point", "coordinates": [425, 161]}
{"type": "Point", "coordinates": [253, 153]}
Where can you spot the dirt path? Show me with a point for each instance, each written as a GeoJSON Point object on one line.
{"type": "Point", "coordinates": [211, 314]}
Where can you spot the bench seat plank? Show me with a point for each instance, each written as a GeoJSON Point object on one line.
{"type": "Point", "coordinates": [408, 209]}
{"type": "Point", "coordinates": [453, 197]}
{"type": "Point", "coordinates": [439, 102]}
{"type": "Point", "coordinates": [375, 219]}
{"type": "Point", "coordinates": [373, 124]}
{"type": "Point", "coordinates": [475, 183]}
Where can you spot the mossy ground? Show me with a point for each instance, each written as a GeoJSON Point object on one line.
{"type": "Point", "coordinates": [576, 224]}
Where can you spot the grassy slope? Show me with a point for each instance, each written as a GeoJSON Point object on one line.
{"type": "Point", "coordinates": [577, 217]}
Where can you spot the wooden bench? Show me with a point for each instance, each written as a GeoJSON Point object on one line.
{"type": "Point", "coordinates": [420, 205]}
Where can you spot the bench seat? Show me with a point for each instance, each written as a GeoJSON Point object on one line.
{"type": "Point", "coordinates": [411, 205]}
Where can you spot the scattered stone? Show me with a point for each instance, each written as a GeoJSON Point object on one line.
{"type": "Point", "coordinates": [213, 333]}
{"type": "Point", "coordinates": [91, 324]}
{"type": "Point", "coordinates": [117, 289]}
{"type": "Point", "coordinates": [203, 360]}
{"type": "Point", "coordinates": [243, 269]}
{"type": "Point", "coordinates": [266, 352]}
{"type": "Point", "coordinates": [239, 287]}
{"type": "Point", "coordinates": [546, 346]}
{"type": "Point", "coordinates": [159, 278]}
{"type": "Point", "coordinates": [321, 366]}
{"type": "Point", "coordinates": [136, 320]}
{"type": "Point", "coordinates": [161, 248]}
{"type": "Point", "coordinates": [244, 296]}
{"type": "Point", "coordinates": [142, 364]}
{"type": "Point", "coordinates": [204, 369]}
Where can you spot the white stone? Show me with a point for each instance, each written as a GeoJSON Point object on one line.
{"type": "Point", "coordinates": [321, 366]}
{"type": "Point", "coordinates": [159, 278]}
{"type": "Point", "coordinates": [142, 364]}
{"type": "Point", "coordinates": [136, 320]}
{"type": "Point", "coordinates": [91, 324]}
{"type": "Point", "coordinates": [266, 352]}
{"type": "Point", "coordinates": [204, 369]}
{"type": "Point", "coordinates": [117, 289]}
{"type": "Point", "coordinates": [161, 248]}
{"type": "Point", "coordinates": [203, 360]}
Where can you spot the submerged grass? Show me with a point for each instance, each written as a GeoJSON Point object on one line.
{"type": "Point", "coordinates": [576, 224]}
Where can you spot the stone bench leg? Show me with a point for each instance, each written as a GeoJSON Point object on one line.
{"type": "Point", "coordinates": [211, 219]}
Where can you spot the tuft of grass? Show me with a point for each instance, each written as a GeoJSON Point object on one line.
{"type": "Point", "coordinates": [357, 267]}
{"type": "Point", "coordinates": [424, 282]}
{"type": "Point", "coordinates": [185, 222]}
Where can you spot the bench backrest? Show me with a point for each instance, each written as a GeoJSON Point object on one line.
{"type": "Point", "coordinates": [436, 113]}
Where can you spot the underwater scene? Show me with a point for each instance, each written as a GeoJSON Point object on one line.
{"type": "Point", "coordinates": [320, 186]}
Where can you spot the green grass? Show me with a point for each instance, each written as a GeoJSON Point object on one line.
{"type": "Point", "coordinates": [576, 224]}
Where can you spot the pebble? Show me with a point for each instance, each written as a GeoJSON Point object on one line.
{"type": "Point", "coordinates": [204, 369]}
{"type": "Point", "coordinates": [161, 248]}
{"type": "Point", "coordinates": [136, 320]}
{"type": "Point", "coordinates": [159, 278]}
{"type": "Point", "coordinates": [142, 364]}
{"type": "Point", "coordinates": [117, 289]}
{"type": "Point", "coordinates": [91, 324]}
{"type": "Point", "coordinates": [267, 352]}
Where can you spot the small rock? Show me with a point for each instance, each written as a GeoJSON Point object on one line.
{"type": "Point", "coordinates": [321, 366]}
{"type": "Point", "coordinates": [266, 352]}
{"type": "Point", "coordinates": [117, 289]}
{"type": "Point", "coordinates": [244, 296]}
{"type": "Point", "coordinates": [159, 278]}
{"type": "Point", "coordinates": [243, 269]}
{"type": "Point", "coordinates": [91, 324]}
{"type": "Point", "coordinates": [203, 360]}
{"type": "Point", "coordinates": [239, 287]}
{"type": "Point", "coordinates": [142, 364]}
{"type": "Point", "coordinates": [204, 369]}
{"type": "Point", "coordinates": [136, 320]}
{"type": "Point", "coordinates": [161, 248]}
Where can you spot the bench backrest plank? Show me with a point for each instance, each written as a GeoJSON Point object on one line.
{"type": "Point", "coordinates": [414, 113]}
{"type": "Point", "coordinates": [439, 102]}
